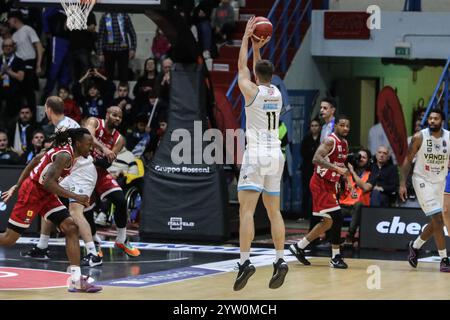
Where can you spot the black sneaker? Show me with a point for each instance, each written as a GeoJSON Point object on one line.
{"type": "Point", "coordinates": [445, 265]}
{"type": "Point", "coordinates": [36, 253]}
{"type": "Point", "coordinates": [338, 263]}
{"type": "Point", "coordinates": [299, 254]}
{"type": "Point", "coordinates": [280, 269]}
{"type": "Point", "coordinates": [91, 261]}
{"type": "Point", "coordinates": [246, 270]}
{"type": "Point", "coordinates": [413, 255]}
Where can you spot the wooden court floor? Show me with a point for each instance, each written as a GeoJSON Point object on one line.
{"type": "Point", "coordinates": [397, 280]}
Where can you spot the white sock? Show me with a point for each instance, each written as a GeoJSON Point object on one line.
{"type": "Point", "coordinates": [280, 255]}
{"type": "Point", "coordinates": [90, 247]}
{"type": "Point", "coordinates": [418, 243]}
{"type": "Point", "coordinates": [75, 273]}
{"type": "Point", "coordinates": [443, 253]}
{"type": "Point", "coordinates": [43, 241]}
{"type": "Point", "coordinates": [245, 256]}
{"type": "Point", "coordinates": [121, 235]}
{"type": "Point", "coordinates": [334, 252]}
{"type": "Point", "coordinates": [302, 244]}
{"type": "Point", "coordinates": [97, 238]}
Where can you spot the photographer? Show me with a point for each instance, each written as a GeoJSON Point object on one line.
{"type": "Point", "coordinates": [383, 180]}
{"type": "Point", "coordinates": [352, 201]}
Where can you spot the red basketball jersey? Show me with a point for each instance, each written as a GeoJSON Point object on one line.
{"type": "Point", "coordinates": [108, 139]}
{"type": "Point", "coordinates": [39, 172]}
{"type": "Point", "coordinates": [337, 156]}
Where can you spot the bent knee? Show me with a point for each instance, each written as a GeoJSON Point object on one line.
{"type": "Point", "coordinates": [69, 227]}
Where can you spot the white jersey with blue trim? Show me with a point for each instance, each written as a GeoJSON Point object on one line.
{"type": "Point", "coordinates": [432, 158]}
{"type": "Point", "coordinates": [262, 118]}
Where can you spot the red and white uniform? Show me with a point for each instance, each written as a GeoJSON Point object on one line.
{"type": "Point", "coordinates": [324, 182]}
{"type": "Point", "coordinates": [33, 199]}
{"type": "Point", "coordinates": [105, 182]}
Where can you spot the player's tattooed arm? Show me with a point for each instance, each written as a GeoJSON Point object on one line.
{"type": "Point", "coordinates": [25, 173]}
{"type": "Point", "coordinates": [61, 161]}
{"type": "Point", "coordinates": [322, 152]}
{"type": "Point", "coordinates": [413, 148]}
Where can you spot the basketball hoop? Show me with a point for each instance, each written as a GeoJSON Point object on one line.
{"type": "Point", "coordinates": [77, 12]}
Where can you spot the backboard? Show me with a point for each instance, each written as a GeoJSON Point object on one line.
{"type": "Point", "coordinates": [106, 5]}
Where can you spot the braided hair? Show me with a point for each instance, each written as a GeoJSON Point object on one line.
{"type": "Point", "coordinates": [68, 137]}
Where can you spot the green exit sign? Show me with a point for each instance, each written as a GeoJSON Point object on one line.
{"type": "Point", "coordinates": [402, 49]}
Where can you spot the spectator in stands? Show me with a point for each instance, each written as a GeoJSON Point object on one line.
{"type": "Point", "coordinates": [201, 17]}
{"type": "Point", "coordinates": [162, 83]}
{"type": "Point", "coordinates": [160, 45]}
{"type": "Point", "coordinates": [146, 82]}
{"type": "Point", "coordinates": [147, 108]}
{"type": "Point", "coordinates": [377, 137]}
{"type": "Point", "coordinates": [383, 180]}
{"type": "Point", "coordinates": [35, 148]}
{"type": "Point", "coordinates": [132, 138]}
{"type": "Point", "coordinates": [71, 109]}
{"type": "Point", "coordinates": [223, 22]}
{"type": "Point", "coordinates": [5, 33]}
{"type": "Point", "coordinates": [82, 44]}
{"type": "Point", "coordinates": [20, 132]}
{"type": "Point", "coordinates": [309, 145]}
{"type": "Point", "coordinates": [32, 16]}
{"type": "Point", "coordinates": [100, 91]}
{"type": "Point", "coordinates": [126, 104]}
{"type": "Point", "coordinates": [30, 50]}
{"type": "Point", "coordinates": [7, 155]}
{"type": "Point", "coordinates": [54, 25]}
{"type": "Point", "coordinates": [116, 43]}
{"type": "Point", "coordinates": [12, 73]}
{"type": "Point", "coordinates": [355, 198]}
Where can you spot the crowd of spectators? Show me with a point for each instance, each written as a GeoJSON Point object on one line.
{"type": "Point", "coordinates": [89, 70]}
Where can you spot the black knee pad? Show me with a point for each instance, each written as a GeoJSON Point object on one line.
{"type": "Point", "coordinates": [335, 231]}
{"type": "Point", "coordinates": [120, 212]}
{"type": "Point", "coordinates": [89, 215]}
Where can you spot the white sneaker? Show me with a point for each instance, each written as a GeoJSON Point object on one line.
{"type": "Point", "coordinates": [101, 219]}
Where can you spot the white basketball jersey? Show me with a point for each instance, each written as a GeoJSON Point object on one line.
{"type": "Point", "coordinates": [262, 117]}
{"type": "Point", "coordinates": [69, 123]}
{"type": "Point", "coordinates": [66, 123]}
{"type": "Point", "coordinates": [432, 157]}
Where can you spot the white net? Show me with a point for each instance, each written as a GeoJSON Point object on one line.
{"type": "Point", "coordinates": [77, 12]}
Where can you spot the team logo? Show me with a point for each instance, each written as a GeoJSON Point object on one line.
{"type": "Point", "coordinates": [438, 147]}
{"type": "Point", "coordinates": [422, 185]}
{"type": "Point", "coordinates": [29, 213]}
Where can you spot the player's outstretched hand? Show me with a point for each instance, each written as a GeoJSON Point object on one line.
{"type": "Point", "coordinates": [249, 28]}
{"type": "Point", "coordinates": [403, 193]}
{"type": "Point", "coordinates": [8, 194]}
{"type": "Point", "coordinates": [258, 44]}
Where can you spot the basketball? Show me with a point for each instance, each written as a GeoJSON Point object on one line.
{"type": "Point", "coordinates": [263, 28]}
